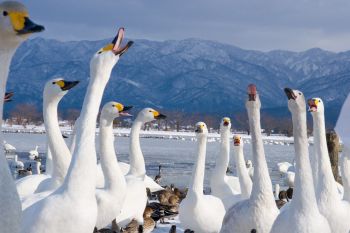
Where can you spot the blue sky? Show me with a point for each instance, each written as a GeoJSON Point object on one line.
{"type": "Point", "coordinates": [251, 24]}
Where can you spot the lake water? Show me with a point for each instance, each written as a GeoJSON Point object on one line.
{"type": "Point", "coordinates": [177, 157]}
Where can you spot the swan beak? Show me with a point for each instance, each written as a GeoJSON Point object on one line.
{"type": "Point", "coordinates": [252, 92]}
{"type": "Point", "coordinates": [199, 129]}
{"type": "Point", "coordinates": [290, 93]}
{"type": "Point", "coordinates": [115, 46]}
{"type": "Point", "coordinates": [313, 103]}
{"type": "Point", "coordinates": [236, 141]}
{"type": "Point", "coordinates": [226, 121]}
{"type": "Point", "coordinates": [158, 115]}
{"type": "Point", "coordinates": [123, 111]}
{"type": "Point", "coordinates": [23, 25]}
{"type": "Point", "coordinates": [8, 96]}
{"type": "Point", "coordinates": [67, 85]}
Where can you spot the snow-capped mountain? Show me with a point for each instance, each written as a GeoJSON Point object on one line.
{"type": "Point", "coordinates": [190, 75]}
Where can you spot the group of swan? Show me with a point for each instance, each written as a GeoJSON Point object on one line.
{"type": "Point", "coordinates": [317, 205]}
{"type": "Point", "coordinates": [67, 193]}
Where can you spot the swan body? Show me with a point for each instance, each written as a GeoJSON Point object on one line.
{"type": "Point", "coordinates": [111, 198]}
{"type": "Point", "coordinates": [283, 167]}
{"type": "Point", "coordinates": [302, 215]}
{"type": "Point", "coordinates": [259, 211]}
{"type": "Point", "coordinates": [8, 147]}
{"type": "Point", "coordinates": [136, 197]}
{"type": "Point", "coordinates": [221, 187]}
{"type": "Point", "coordinates": [198, 212]}
{"type": "Point", "coordinates": [15, 27]}
{"type": "Point", "coordinates": [72, 207]}
{"type": "Point", "coordinates": [329, 201]}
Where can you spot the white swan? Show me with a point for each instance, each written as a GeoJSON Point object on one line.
{"type": "Point", "coordinates": [328, 199]}
{"type": "Point", "coordinates": [8, 147]}
{"type": "Point", "coordinates": [199, 212]}
{"type": "Point", "coordinates": [242, 172]}
{"type": "Point", "coordinates": [34, 154]}
{"type": "Point", "coordinates": [259, 211]}
{"type": "Point", "coordinates": [72, 207]}
{"type": "Point", "coordinates": [136, 197]}
{"type": "Point", "coordinates": [227, 188]}
{"type": "Point", "coordinates": [54, 91]}
{"type": "Point", "coordinates": [111, 198]}
{"type": "Point", "coordinates": [15, 163]}
{"type": "Point", "coordinates": [15, 26]}
{"type": "Point", "coordinates": [302, 215]}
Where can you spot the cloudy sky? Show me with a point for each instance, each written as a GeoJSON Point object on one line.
{"type": "Point", "coordinates": [251, 24]}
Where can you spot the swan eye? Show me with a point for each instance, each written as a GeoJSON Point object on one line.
{"type": "Point", "coordinates": [113, 105]}
{"type": "Point", "coordinates": [53, 82]}
{"type": "Point", "coordinates": [99, 52]}
{"type": "Point", "coordinates": [150, 110]}
{"type": "Point", "coordinates": [299, 93]}
{"type": "Point", "coordinates": [5, 13]}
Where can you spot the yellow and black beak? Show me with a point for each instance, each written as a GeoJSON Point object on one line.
{"type": "Point", "coordinates": [22, 24]}
{"type": "Point", "coordinates": [313, 103]}
{"type": "Point", "coordinates": [115, 46]}
{"type": "Point", "coordinates": [122, 109]}
{"type": "Point", "coordinates": [226, 121]}
{"type": "Point", "coordinates": [199, 129]}
{"type": "Point", "coordinates": [66, 85]}
{"type": "Point", "coordinates": [158, 115]}
{"type": "Point", "coordinates": [236, 140]}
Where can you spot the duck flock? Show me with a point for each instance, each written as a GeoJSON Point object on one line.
{"type": "Point", "coordinates": [78, 194]}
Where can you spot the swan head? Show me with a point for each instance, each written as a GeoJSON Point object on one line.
{"type": "Point", "coordinates": [225, 124]}
{"type": "Point", "coordinates": [149, 114]}
{"type": "Point", "coordinates": [58, 87]}
{"type": "Point", "coordinates": [237, 140]}
{"type": "Point", "coordinates": [296, 100]}
{"type": "Point", "coordinates": [315, 105]}
{"type": "Point", "coordinates": [15, 25]}
{"type": "Point", "coordinates": [114, 109]}
{"type": "Point", "coordinates": [253, 100]}
{"type": "Point", "coordinates": [201, 129]}
{"type": "Point", "coordinates": [107, 57]}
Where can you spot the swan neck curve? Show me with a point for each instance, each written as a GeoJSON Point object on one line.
{"type": "Point", "coordinates": [114, 178]}
{"type": "Point", "coordinates": [60, 153]}
{"type": "Point", "coordinates": [199, 168]}
{"type": "Point", "coordinates": [242, 172]}
{"type": "Point", "coordinates": [137, 162]}
{"type": "Point", "coordinates": [262, 185]}
{"type": "Point", "coordinates": [222, 160]}
{"type": "Point", "coordinates": [304, 192]}
{"type": "Point", "coordinates": [326, 186]}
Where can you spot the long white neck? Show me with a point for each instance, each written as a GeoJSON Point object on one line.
{"type": "Point", "coordinates": [196, 186]}
{"type": "Point", "coordinates": [74, 136]}
{"type": "Point", "coordinates": [222, 160]}
{"type": "Point", "coordinates": [137, 162]}
{"type": "Point", "coordinates": [304, 193]}
{"type": "Point", "coordinates": [48, 163]}
{"type": "Point", "coordinates": [114, 178]}
{"type": "Point", "coordinates": [346, 173]}
{"type": "Point", "coordinates": [244, 179]}
{"type": "Point", "coordinates": [8, 195]}
{"type": "Point", "coordinates": [326, 187]}
{"type": "Point", "coordinates": [262, 186]}
{"type": "Point", "coordinates": [81, 176]}
{"type": "Point", "coordinates": [60, 153]}
{"type": "Point", "coordinates": [37, 168]}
